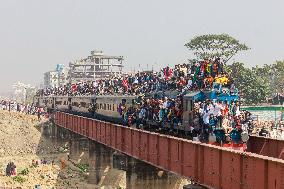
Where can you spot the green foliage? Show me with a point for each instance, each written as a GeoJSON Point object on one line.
{"type": "Point", "coordinates": [24, 171]}
{"type": "Point", "coordinates": [83, 167]}
{"type": "Point", "coordinates": [214, 45]}
{"type": "Point", "coordinates": [275, 73]}
{"type": "Point", "coordinates": [19, 179]}
{"type": "Point", "coordinates": [253, 86]}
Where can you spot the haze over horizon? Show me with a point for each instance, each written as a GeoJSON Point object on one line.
{"type": "Point", "coordinates": [37, 35]}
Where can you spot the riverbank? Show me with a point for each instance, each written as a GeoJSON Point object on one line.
{"type": "Point", "coordinates": [38, 160]}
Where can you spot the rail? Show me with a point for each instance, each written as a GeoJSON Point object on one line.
{"type": "Point", "coordinates": [266, 146]}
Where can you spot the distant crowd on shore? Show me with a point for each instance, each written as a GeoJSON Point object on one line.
{"type": "Point", "coordinates": [270, 129]}
{"type": "Point", "coordinates": [13, 106]}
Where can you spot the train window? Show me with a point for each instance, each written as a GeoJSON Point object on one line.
{"type": "Point", "coordinates": [58, 102]}
{"type": "Point", "coordinates": [191, 105]}
{"type": "Point", "coordinates": [75, 104]}
{"type": "Point", "coordinates": [83, 104]}
{"type": "Point", "coordinates": [186, 105]}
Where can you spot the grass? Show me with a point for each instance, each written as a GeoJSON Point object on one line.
{"type": "Point", "coordinates": [19, 179]}
{"type": "Point", "coordinates": [83, 167]}
{"type": "Point", "coordinates": [24, 171]}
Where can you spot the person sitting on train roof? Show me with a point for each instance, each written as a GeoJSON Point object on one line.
{"type": "Point", "coordinates": [182, 78]}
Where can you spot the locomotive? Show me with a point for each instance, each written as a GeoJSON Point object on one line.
{"type": "Point", "coordinates": [105, 107]}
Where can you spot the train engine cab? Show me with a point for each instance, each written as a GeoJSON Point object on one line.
{"type": "Point", "coordinates": [235, 137]}
{"type": "Point", "coordinates": [188, 108]}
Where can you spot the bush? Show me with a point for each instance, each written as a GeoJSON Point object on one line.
{"type": "Point", "coordinates": [24, 171]}
{"type": "Point", "coordinates": [83, 167]}
{"type": "Point", "coordinates": [19, 179]}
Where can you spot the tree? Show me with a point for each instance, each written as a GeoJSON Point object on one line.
{"type": "Point", "coordinates": [214, 45]}
{"type": "Point", "coordinates": [277, 77]}
{"type": "Point", "coordinates": [253, 86]}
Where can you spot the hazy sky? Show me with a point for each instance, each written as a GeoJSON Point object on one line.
{"type": "Point", "coordinates": [35, 35]}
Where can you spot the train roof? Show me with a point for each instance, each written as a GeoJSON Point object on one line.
{"type": "Point", "coordinates": [204, 95]}
{"type": "Point", "coordinates": [116, 96]}
{"type": "Point", "coordinates": [194, 95]}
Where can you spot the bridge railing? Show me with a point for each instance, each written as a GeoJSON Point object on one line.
{"type": "Point", "coordinates": [266, 146]}
{"type": "Point", "coordinates": [213, 166]}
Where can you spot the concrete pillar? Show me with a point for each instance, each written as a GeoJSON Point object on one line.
{"type": "Point", "coordinates": [53, 131]}
{"type": "Point", "coordinates": [46, 129]}
{"type": "Point", "coordinates": [131, 176]}
{"type": "Point", "coordinates": [193, 186]}
{"type": "Point", "coordinates": [94, 163]}
{"type": "Point", "coordinates": [100, 162]}
{"type": "Point", "coordinates": [74, 147]}
{"type": "Point", "coordinates": [140, 175]}
{"type": "Point", "coordinates": [83, 151]}
{"type": "Point", "coordinates": [78, 149]}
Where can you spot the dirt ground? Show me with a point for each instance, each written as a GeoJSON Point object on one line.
{"type": "Point", "coordinates": [21, 142]}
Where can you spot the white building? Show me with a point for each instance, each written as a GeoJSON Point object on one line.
{"type": "Point", "coordinates": [23, 92]}
{"type": "Point", "coordinates": [95, 66]}
{"type": "Point", "coordinates": [56, 78]}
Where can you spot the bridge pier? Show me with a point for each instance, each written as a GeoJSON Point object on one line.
{"type": "Point", "coordinates": [100, 162]}
{"type": "Point", "coordinates": [140, 175]}
{"type": "Point", "coordinates": [78, 149]}
{"type": "Point", "coordinates": [56, 132]}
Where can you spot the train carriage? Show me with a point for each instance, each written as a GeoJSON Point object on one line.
{"type": "Point", "coordinates": [107, 107]}
{"type": "Point", "coordinates": [113, 108]}
{"type": "Point", "coordinates": [61, 103]}
{"type": "Point", "coordinates": [47, 102]}
{"type": "Point", "coordinates": [82, 105]}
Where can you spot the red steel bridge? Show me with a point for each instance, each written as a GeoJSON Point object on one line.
{"type": "Point", "coordinates": [211, 166]}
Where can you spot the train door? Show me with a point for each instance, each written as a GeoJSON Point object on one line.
{"type": "Point", "coordinates": [70, 104]}
{"type": "Point", "coordinates": [53, 102]}
{"type": "Point", "coordinates": [93, 106]}
{"type": "Point", "coordinates": [188, 113]}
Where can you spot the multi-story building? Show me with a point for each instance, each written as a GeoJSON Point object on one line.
{"type": "Point", "coordinates": [56, 78]}
{"type": "Point", "coordinates": [95, 66]}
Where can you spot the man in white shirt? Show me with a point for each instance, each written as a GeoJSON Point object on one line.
{"type": "Point", "coordinates": [206, 116]}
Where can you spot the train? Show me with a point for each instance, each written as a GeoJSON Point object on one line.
{"type": "Point", "coordinates": [105, 107]}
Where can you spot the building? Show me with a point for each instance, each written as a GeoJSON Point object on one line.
{"type": "Point", "coordinates": [58, 77]}
{"type": "Point", "coordinates": [50, 79]}
{"type": "Point", "coordinates": [95, 66]}
{"type": "Point", "coordinates": [23, 93]}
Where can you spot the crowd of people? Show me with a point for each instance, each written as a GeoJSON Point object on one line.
{"type": "Point", "coordinates": [14, 106]}
{"type": "Point", "coordinates": [270, 129]}
{"type": "Point", "coordinates": [201, 75]}
{"type": "Point", "coordinates": [165, 112]}
{"type": "Point", "coordinates": [168, 112]}
{"type": "Point", "coordinates": [221, 119]}
{"type": "Point", "coordinates": [207, 117]}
